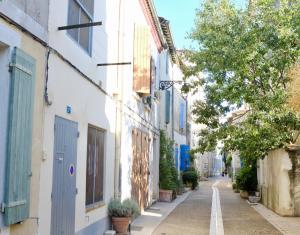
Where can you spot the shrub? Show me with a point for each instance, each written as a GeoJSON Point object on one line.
{"type": "Point", "coordinates": [168, 176]}
{"type": "Point", "coordinates": [190, 177]}
{"type": "Point", "coordinates": [246, 179]}
{"type": "Point", "coordinates": [127, 208]}
{"type": "Point", "coordinates": [131, 207]}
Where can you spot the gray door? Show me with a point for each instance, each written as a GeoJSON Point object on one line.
{"type": "Point", "coordinates": [64, 177]}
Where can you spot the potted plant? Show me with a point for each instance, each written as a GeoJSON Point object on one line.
{"type": "Point", "coordinates": [246, 181]}
{"type": "Point", "coordinates": [190, 178]}
{"type": "Point", "coordinates": [121, 213]}
{"type": "Point", "coordinates": [168, 177]}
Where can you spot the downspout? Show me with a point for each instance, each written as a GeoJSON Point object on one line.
{"type": "Point", "coordinates": [172, 105]}
{"type": "Point", "coordinates": [119, 108]}
{"type": "Point", "coordinates": [187, 142]}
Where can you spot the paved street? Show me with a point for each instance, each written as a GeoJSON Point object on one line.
{"type": "Point", "coordinates": [230, 214]}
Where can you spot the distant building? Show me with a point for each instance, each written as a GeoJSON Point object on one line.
{"type": "Point", "coordinates": [173, 107]}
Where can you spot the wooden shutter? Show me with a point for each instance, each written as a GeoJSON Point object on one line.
{"type": "Point", "coordinates": [141, 60]}
{"type": "Point", "coordinates": [168, 106]}
{"type": "Point", "coordinates": [181, 116]}
{"type": "Point", "coordinates": [19, 142]}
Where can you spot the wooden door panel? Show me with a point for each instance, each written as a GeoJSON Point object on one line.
{"type": "Point", "coordinates": [140, 168]}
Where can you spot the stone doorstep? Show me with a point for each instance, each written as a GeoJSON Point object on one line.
{"type": "Point", "coordinates": [152, 208]}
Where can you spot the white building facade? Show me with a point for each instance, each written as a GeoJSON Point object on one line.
{"type": "Point", "coordinates": [77, 171]}
{"type": "Point", "coordinates": [95, 112]}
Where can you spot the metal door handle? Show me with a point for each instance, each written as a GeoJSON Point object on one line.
{"type": "Point", "coordinates": [60, 159]}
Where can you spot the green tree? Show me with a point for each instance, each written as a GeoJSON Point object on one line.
{"type": "Point", "coordinates": [245, 56]}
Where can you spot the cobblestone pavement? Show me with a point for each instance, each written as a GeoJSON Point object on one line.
{"type": "Point", "coordinates": [193, 216]}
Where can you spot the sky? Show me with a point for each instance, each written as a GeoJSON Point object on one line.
{"type": "Point", "coordinates": [181, 15]}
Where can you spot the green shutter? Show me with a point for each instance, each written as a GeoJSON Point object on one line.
{"type": "Point", "coordinates": [19, 142]}
{"type": "Point", "coordinates": [168, 106]}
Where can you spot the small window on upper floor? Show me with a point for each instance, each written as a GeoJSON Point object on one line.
{"type": "Point", "coordinates": [80, 12]}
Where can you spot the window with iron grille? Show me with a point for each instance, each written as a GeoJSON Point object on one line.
{"type": "Point", "coordinates": [95, 166]}
{"type": "Point", "coordinates": [81, 12]}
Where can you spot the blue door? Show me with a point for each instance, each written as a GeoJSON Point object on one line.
{"type": "Point", "coordinates": [185, 159]}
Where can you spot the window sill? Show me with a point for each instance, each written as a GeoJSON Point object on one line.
{"type": "Point", "coordinates": [94, 206]}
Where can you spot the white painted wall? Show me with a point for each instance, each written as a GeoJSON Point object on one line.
{"type": "Point", "coordinates": [104, 42]}
{"type": "Point", "coordinates": [208, 164]}
{"type": "Point", "coordinates": [36, 9]}
{"type": "Point", "coordinates": [33, 21]}
{"type": "Point", "coordinates": [165, 75]}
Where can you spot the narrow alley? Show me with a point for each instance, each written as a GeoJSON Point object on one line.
{"type": "Point", "coordinates": [149, 117]}
{"type": "Point", "coordinates": [194, 216]}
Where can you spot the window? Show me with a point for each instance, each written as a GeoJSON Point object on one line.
{"type": "Point", "coordinates": [80, 12]}
{"type": "Point", "coordinates": [95, 166]}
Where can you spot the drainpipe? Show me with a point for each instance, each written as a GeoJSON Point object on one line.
{"type": "Point", "coordinates": [186, 122]}
{"type": "Point", "coordinates": [172, 105]}
{"type": "Point", "coordinates": [119, 113]}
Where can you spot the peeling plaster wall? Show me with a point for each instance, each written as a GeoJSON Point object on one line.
{"type": "Point", "coordinates": [277, 182]}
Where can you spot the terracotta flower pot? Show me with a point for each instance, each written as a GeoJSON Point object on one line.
{"type": "Point", "coordinates": [166, 195]}
{"type": "Point", "coordinates": [244, 194]}
{"type": "Point", "coordinates": [120, 224]}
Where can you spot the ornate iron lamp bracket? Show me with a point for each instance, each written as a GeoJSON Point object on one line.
{"type": "Point", "coordinates": [165, 85]}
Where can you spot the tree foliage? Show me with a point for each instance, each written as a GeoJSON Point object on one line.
{"type": "Point", "coordinates": [245, 56]}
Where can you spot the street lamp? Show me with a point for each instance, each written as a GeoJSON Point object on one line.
{"type": "Point", "coordinates": [165, 85]}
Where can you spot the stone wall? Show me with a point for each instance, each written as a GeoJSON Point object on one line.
{"type": "Point", "coordinates": [278, 177]}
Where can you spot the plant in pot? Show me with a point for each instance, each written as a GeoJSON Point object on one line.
{"type": "Point", "coordinates": [190, 177]}
{"type": "Point", "coordinates": [122, 213]}
{"type": "Point", "coordinates": [168, 176]}
{"type": "Point", "coordinates": [246, 180]}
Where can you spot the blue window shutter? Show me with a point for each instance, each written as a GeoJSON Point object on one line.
{"type": "Point", "coordinates": [19, 139]}
{"type": "Point", "coordinates": [181, 117]}
{"type": "Point", "coordinates": [168, 106]}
